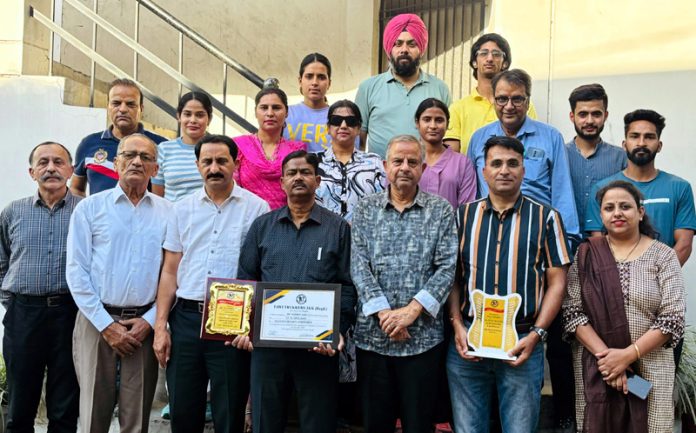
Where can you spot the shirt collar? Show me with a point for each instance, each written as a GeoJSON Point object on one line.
{"type": "Point", "coordinates": [419, 200]}
{"type": "Point", "coordinates": [118, 194]}
{"type": "Point", "coordinates": [422, 77]}
{"type": "Point", "coordinates": [526, 128]}
{"type": "Point", "coordinates": [38, 201]}
{"type": "Point", "coordinates": [330, 156]}
{"type": "Point", "coordinates": [108, 133]}
{"type": "Point", "coordinates": [202, 195]}
{"type": "Point", "coordinates": [488, 206]}
{"type": "Point", "coordinates": [596, 151]}
{"type": "Point", "coordinates": [314, 214]}
{"type": "Point", "coordinates": [476, 95]}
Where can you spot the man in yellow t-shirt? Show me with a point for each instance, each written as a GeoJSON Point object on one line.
{"type": "Point", "coordinates": [490, 54]}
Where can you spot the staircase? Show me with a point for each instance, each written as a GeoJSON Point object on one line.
{"type": "Point", "coordinates": [226, 116]}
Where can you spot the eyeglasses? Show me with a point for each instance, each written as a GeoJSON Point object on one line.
{"type": "Point", "coordinates": [351, 121]}
{"type": "Point", "coordinates": [144, 157]}
{"type": "Point", "coordinates": [517, 101]}
{"type": "Point", "coordinates": [495, 53]}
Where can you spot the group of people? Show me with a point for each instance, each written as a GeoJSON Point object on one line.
{"type": "Point", "coordinates": [451, 198]}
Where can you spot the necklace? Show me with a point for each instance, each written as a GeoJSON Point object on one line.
{"type": "Point", "coordinates": [611, 247]}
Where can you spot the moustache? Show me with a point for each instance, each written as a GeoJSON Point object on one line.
{"type": "Point", "coordinates": [215, 176]}
{"type": "Point", "coordinates": [47, 176]}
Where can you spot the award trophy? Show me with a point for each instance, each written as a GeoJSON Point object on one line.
{"type": "Point", "coordinates": [492, 333]}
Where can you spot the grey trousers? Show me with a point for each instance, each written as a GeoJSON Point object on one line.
{"type": "Point", "coordinates": [96, 368]}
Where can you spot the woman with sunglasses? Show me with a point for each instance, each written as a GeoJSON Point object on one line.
{"type": "Point", "coordinates": [307, 120]}
{"type": "Point", "coordinates": [448, 174]}
{"type": "Point", "coordinates": [348, 174]}
{"type": "Point", "coordinates": [259, 163]}
{"type": "Point", "coordinates": [178, 174]}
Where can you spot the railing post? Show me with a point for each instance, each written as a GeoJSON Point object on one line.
{"type": "Point", "coordinates": [136, 34]}
{"type": "Point", "coordinates": [224, 96]}
{"type": "Point", "coordinates": [51, 40]}
{"type": "Point", "coordinates": [181, 71]}
{"type": "Point", "coordinates": [93, 65]}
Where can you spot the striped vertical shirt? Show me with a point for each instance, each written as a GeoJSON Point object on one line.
{"type": "Point", "coordinates": [507, 252]}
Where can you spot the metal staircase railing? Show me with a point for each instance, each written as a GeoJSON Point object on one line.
{"type": "Point", "coordinates": [139, 50]}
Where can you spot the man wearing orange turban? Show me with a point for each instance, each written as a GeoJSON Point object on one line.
{"type": "Point", "coordinates": [388, 101]}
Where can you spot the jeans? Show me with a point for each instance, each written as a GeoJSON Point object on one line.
{"type": "Point", "coordinates": [519, 392]}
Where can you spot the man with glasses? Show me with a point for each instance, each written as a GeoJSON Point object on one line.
{"type": "Point", "coordinates": [94, 158]}
{"type": "Point", "coordinates": [489, 55]}
{"type": "Point", "coordinates": [388, 101]}
{"type": "Point", "coordinates": [114, 254]}
{"type": "Point", "coordinates": [547, 175]}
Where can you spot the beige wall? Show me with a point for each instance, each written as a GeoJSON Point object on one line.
{"type": "Point", "coordinates": [11, 36]}
{"type": "Point", "coordinates": [268, 36]}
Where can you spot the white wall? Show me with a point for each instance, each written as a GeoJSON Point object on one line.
{"type": "Point", "coordinates": [32, 112]}
{"type": "Point", "coordinates": [669, 93]}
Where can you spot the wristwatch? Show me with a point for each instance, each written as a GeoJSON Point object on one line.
{"type": "Point", "coordinates": [541, 332]}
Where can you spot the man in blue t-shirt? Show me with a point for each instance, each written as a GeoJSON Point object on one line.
{"type": "Point", "coordinates": [668, 199]}
{"type": "Point", "coordinates": [95, 153]}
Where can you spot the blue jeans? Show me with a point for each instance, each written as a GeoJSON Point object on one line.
{"type": "Point", "coordinates": [519, 392]}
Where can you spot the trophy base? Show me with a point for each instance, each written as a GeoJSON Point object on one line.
{"type": "Point", "coordinates": [492, 354]}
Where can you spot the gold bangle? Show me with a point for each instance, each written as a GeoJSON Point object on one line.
{"type": "Point", "coordinates": [635, 346]}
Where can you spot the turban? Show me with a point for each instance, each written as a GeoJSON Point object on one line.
{"type": "Point", "coordinates": [410, 23]}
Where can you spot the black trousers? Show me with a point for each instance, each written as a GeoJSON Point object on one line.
{"type": "Point", "coordinates": [560, 358]}
{"type": "Point", "coordinates": [274, 374]}
{"type": "Point", "coordinates": [192, 363]}
{"type": "Point", "coordinates": [394, 386]}
{"type": "Point", "coordinates": [38, 340]}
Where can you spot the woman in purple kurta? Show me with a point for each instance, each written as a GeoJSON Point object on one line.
{"type": "Point", "coordinates": [447, 173]}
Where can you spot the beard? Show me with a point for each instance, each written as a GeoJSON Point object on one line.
{"type": "Point", "coordinates": [647, 156]}
{"type": "Point", "coordinates": [588, 137]}
{"type": "Point", "coordinates": [405, 69]}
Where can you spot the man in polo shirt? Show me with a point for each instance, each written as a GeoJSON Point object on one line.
{"type": "Point", "coordinates": [113, 264]}
{"type": "Point", "coordinates": [668, 199]}
{"type": "Point", "coordinates": [40, 314]}
{"type": "Point", "coordinates": [509, 243]}
{"type": "Point", "coordinates": [94, 158]}
{"type": "Point", "coordinates": [403, 261]}
{"type": "Point", "coordinates": [302, 243]}
{"type": "Point", "coordinates": [489, 55]}
{"type": "Point", "coordinates": [204, 237]}
{"type": "Point", "coordinates": [547, 175]}
{"type": "Point", "coordinates": [388, 101]}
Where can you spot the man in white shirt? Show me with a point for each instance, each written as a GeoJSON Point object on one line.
{"type": "Point", "coordinates": [114, 253]}
{"type": "Point", "coordinates": [204, 236]}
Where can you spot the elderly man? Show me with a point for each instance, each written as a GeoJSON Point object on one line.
{"type": "Point", "coordinates": [40, 311]}
{"type": "Point", "coordinates": [114, 257]}
{"type": "Point", "coordinates": [509, 243]}
{"type": "Point", "coordinates": [388, 101]}
{"type": "Point", "coordinates": [547, 175]}
{"type": "Point", "coordinates": [489, 55]}
{"type": "Point", "coordinates": [403, 262]}
{"type": "Point", "coordinates": [204, 237]}
{"type": "Point", "coordinates": [301, 243]}
{"type": "Point", "coordinates": [94, 158]}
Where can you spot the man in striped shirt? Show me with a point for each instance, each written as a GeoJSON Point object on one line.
{"type": "Point", "coordinates": [509, 243]}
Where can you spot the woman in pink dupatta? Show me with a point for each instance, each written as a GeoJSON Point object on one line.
{"type": "Point", "coordinates": [261, 154]}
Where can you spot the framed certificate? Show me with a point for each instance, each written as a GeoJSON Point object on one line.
{"type": "Point", "coordinates": [227, 309]}
{"type": "Point", "coordinates": [296, 315]}
{"type": "Point", "coordinates": [492, 333]}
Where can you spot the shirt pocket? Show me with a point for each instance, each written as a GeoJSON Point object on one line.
{"type": "Point", "coordinates": [536, 166]}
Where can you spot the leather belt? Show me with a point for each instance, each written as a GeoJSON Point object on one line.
{"type": "Point", "coordinates": [127, 312]}
{"type": "Point", "coordinates": [190, 305]}
{"type": "Point", "coordinates": [45, 300]}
